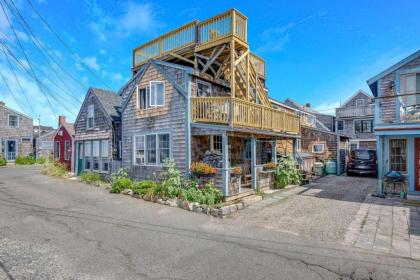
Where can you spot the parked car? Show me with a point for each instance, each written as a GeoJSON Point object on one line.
{"type": "Point", "coordinates": [362, 162]}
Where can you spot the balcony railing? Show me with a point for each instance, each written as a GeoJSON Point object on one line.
{"type": "Point", "coordinates": [355, 112]}
{"type": "Point", "coordinates": [395, 109]}
{"type": "Point", "coordinates": [229, 23]}
{"type": "Point", "coordinates": [240, 113]}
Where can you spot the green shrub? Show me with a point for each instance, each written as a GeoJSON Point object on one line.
{"type": "Point", "coordinates": [54, 168]}
{"type": "Point", "coordinates": [41, 160]}
{"type": "Point", "coordinates": [90, 177]}
{"type": "Point", "coordinates": [170, 181]}
{"type": "Point", "coordinates": [3, 161]}
{"type": "Point", "coordinates": [209, 195]}
{"type": "Point", "coordinates": [144, 187]}
{"type": "Point", "coordinates": [25, 160]}
{"type": "Point", "coordinates": [121, 184]}
{"type": "Point", "coordinates": [121, 173]}
{"type": "Point", "coordinates": [286, 173]}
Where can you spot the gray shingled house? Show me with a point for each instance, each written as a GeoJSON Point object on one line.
{"type": "Point", "coordinates": [98, 133]}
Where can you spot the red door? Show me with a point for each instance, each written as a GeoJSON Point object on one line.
{"type": "Point", "coordinates": [417, 164]}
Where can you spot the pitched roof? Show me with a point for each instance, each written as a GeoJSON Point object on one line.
{"type": "Point", "coordinates": [109, 100]}
{"type": "Point", "coordinates": [354, 95]}
{"type": "Point", "coordinates": [290, 102]}
{"type": "Point", "coordinates": [69, 127]}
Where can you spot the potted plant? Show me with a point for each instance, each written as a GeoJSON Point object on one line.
{"type": "Point", "coordinates": [200, 169]}
{"type": "Point", "coordinates": [237, 171]}
{"type": "Point", "coordinates": [270, 166]}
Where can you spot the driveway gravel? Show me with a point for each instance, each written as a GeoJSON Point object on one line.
{"type": "Point", "coordinates": [322, 212]}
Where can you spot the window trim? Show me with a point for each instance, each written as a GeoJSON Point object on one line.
{"type": "Point", "coordinates": [362, 132]}
{"type": "Point", "coordinates": [150, 93]}
{"type": "Point", "coordinates": [17, 120]}
{"type": "Point", "coordinates": [67, 153]}
{"type": "Point", "coordinates": [93, 117]}
{"type": "Point", "coordinates": [212, 142]}
{"type": "Point", "coordinates": [55, 150]}
{"type": "Point", "coordinates": [323, 148]}
{"type": "Point", "coordinates": [99, 170]}
{"type": "Point", "coordinates": [133, 151]}
{"type": "Point", "coordinates": [343, 127]}
{"type": "Point", "coordinates": [407, 154]}
{"type": "Point", "coordinates": [203, 83]}
{"type": "Point", "coordinates": [360, 105]}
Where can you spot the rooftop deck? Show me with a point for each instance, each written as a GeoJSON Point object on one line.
{"type": "Point", "coordinates": [199, 35]}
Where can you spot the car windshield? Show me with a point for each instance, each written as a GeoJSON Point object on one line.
{"type": "Point", "coordinates": [363, 154]}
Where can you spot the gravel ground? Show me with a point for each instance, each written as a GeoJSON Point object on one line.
{"type": "Point", "coordinates": [323, 212]}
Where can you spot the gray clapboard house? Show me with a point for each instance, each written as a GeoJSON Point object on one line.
{"type": "Point", "coordinates": [16, 131]}
{"type": "Point", "coordinates": [98, 133]}
{"type": "Point", "coordinates": [355, 118]}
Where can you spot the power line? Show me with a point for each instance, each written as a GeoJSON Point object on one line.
{"type": "Point", "coordinates": [75, 55]}
{"type": "Point", "coordinates": [26, 57]}
{"type": "Point", "coordinates": [12, 93]}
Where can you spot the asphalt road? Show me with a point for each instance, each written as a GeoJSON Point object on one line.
{"type": "Point", "coordinates": [59, 229]}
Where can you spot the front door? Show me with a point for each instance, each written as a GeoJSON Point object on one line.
{"type": "Point", "coordinates": [417, 164]}
{"type": "Point", "coordinates": [79, 158]}
{"type": "Point", "coordinates": [11, 150]}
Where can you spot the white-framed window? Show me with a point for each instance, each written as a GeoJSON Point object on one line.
{"type": "Point", "coordinates": [95, 155]}
{"type": "Point", "coordinates": [157, 93]}
{"type": "Point", "coordinates": [354, 146]}
{"type": "Point", "coordinates": [13, 121]}
{"type": "Point", "coordinates": [104, 156]}
{"type": "Point", "coordinates": [360, 102]}
{"type": "Point", "coordinates": [90, 116]}
{"type": "Point", "coordinates": [203, 88]}
{"type": "Point", "coordinates": [151, 149]}
{"type": "Point", "coordinates": [140, 150]}
{"type": "Point", "coordinates": [398, 155]}
{"type": "Point", "coordinates": [57, 150]}
{"type": "Point", "coordinates": [410, 87]}
{"type": "Point", "coordinates": [88, 155]}
{"type": "Point", "coordinates": [143, 98]}
{"type": "Point", "coordinates": [216, 143]}
{"type": "Point", "coordinates": [340, 125]}
{"type": "Point", "coordinates": [318, 148]}
{"type": "Point", "coordinates": [363, 126]}
{"type": "Point", "coordinates": [67, 150]}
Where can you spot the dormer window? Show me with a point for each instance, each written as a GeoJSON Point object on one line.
{"type": "Point", "coordinates": [157, 94]}
{"type": "Point", "coordinates": [13, 121]}
{"type": "Point", "coordinates": [360, 102]}
{"type": "Point", "coordinates": [90, 117]}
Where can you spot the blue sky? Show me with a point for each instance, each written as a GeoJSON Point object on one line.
{"type": "Point", "coordinates": [316, 51]}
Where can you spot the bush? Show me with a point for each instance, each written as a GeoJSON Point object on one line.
{"type": "Point", "coordinates": [121, 173]}
{"type": "Point", "coordinates": [144, 187]}
{"type": "Point", "coordinates": [170, 186]}
{"type": "Point", "coordinates": [90, 177]}
{"type": "Point", "coordinates": [121, 184]}
{"type": "Point", "coordinates": [286, 173]}
{"type": "Point", "coordinates": [209, 195]}
{"type": "Point", "coordinates": [3, 161]}
{"type": "Point", "coordinates": [25, 160]}
{"type": "Point", "coordinates": [54, 168]}
{"type": "Point", "coordinates": [41, 160]}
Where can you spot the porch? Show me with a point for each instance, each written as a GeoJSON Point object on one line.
{"type": "Point", "coordinates": [238, 157]}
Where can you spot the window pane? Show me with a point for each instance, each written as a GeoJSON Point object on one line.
{"type": "Point", "coordinates": [411, 83]}
{"type": "Point", "coordinates": [398, 154]}
{"type": "Point", "coordinates": [95, 148]}
{"type": "Point", "coordinates": [139, 156]}
{"type": "Point", "coordinates": [87, 149]}
{"type": "Point", "coordinates": [151, 149]}
{"type": "Point", "coordinates": [105, 164]}
{"type": "Point", "coordinates": [104, 148]}
{"type": "Point", "coordinates": [160, 94]}
{"type": "Point", "coordinates": [164, 149]}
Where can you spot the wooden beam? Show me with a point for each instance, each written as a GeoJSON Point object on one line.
{"type": "Point", "coordinates": [245, 54]}
{"type": "Point", "coordinates": [222, 67]}
{"type": "Point", "coordinates": [182, 58]}
{"type": "Point", "coordinates": [213, 57]}
{"type": "Point", "coordinates": [232, 68]}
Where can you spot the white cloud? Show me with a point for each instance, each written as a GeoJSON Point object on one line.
{"type": "Point", "coordinates": [102, 51]}
{"type": "Point", "coordinates": [327, 107]}
{"type": "Point", "coordinates": [190, 12]}
{"type": "Point", "coordinates": [91, 62]}
{"type": "Point", "coordinates": [94, 27]}
{"type": "Point", "coordinates": [116, 77]}
{"type": "Point", "coordinates": [276, 37]}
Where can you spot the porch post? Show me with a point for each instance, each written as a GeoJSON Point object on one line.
{"type": "Point", "coordinates": [294, 149]}
{"type": "Point", "coordinates": [274, 151]}
{"type": "Point", "coordinates": [254, 162]}
{"type": "Point", "coordinates": [225, 158]}
{"type": "Point", "coordinates": [380, 156]}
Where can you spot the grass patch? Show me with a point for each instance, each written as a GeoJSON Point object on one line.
{"type": "Point", "coordinates": [90, 178]}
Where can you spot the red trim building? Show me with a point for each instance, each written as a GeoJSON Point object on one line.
{"type": "Point", "coordinates": [63, 142]}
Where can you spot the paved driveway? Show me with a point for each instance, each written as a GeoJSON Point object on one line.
{"type": "Point", "coordinates": [58, 229]}
{"type": "Point", "coordinates": [323, 212]}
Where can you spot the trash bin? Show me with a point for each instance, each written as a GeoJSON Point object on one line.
{"type": "Point", "coordinates": [331, 167]}
{"type": "Point", "coordinates": [319, 169]}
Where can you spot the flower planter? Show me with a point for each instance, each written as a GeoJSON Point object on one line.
{"type": "Point", "coordinates": [235, 184]}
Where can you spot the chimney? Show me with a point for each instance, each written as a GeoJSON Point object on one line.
{"type": "Point", "coordinates": [308, 105]}
{"type": "Point", "coordinates": [61, 120]}
{"type": "Point", "coordinates": [2, 103]}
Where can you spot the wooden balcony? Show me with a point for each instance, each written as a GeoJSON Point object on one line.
{"type": "Point", "coordinates": [241, 113]}
{"type": "Point", "coordinates": [199, 35]}
{"type": "Point", "coordinates": [355, 112]}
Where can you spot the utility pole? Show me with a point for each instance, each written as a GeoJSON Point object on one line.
{"type": "Point", "coordinates": [38, 144]}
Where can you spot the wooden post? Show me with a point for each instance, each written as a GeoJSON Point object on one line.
{"type": "Point", "coordinates": [274, 151]}
{"type": "Point", "coordinates": [225, 158]}
{"type": "Point", "coordinates": [247, 76]}
{"type": "Point", "coordinates": [380, 157]}
{"type": "Point", "coordinates": [254, 162]}
{"type": "Point", "coordinates": [232, 68]}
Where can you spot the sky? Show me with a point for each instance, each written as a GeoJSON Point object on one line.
{"type": "Point", "coordinates": [318, 52]}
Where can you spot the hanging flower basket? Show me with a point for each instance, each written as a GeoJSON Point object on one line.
{"type": "Point", "coordinates": [270, 166]}
{"type": "Point", "coordinates": [199, 169]}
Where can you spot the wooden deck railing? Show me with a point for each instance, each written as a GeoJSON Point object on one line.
{"type": "Point", "coordinates": [226, 24]}
{"type": "Point", "coordinates": [241, 113]}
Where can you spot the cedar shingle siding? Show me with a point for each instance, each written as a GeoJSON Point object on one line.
{"type": "Point", "coordinates": [171, 118]}
{"type": "Point", "coordinates": [24, 130]}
